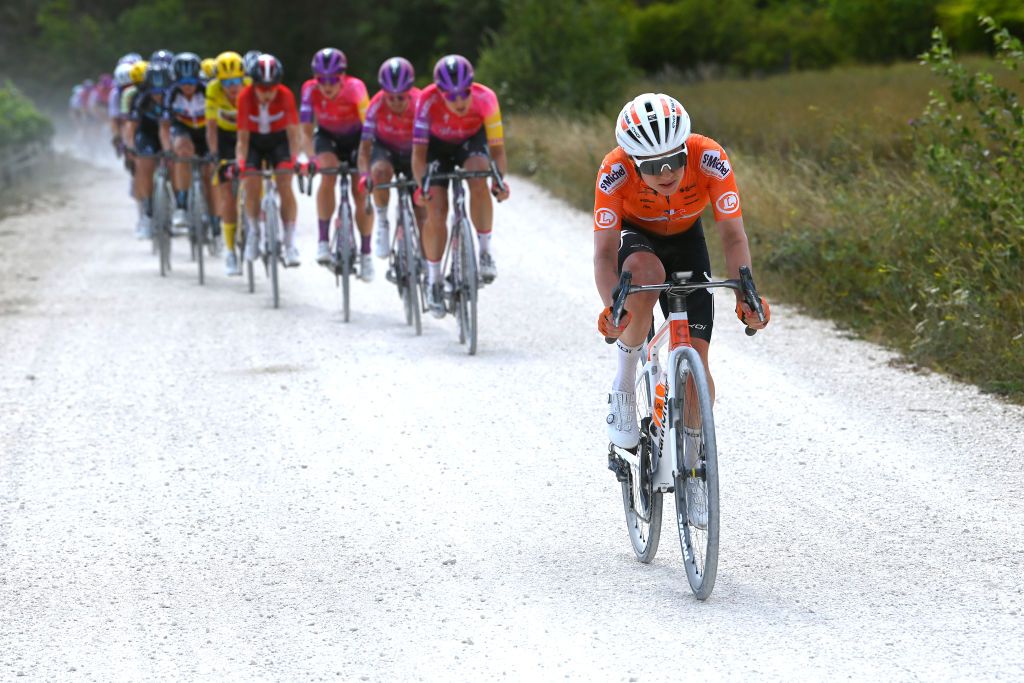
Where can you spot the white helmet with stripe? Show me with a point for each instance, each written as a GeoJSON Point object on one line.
{"type": "Point", "coordinates": [652, 124]}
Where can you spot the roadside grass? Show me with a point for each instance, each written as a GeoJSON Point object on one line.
{"type": "Point", "coordinates": [843, 218]}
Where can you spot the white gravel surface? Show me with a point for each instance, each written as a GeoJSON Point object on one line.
{"type": "Point", "coordinates": [195, 485]}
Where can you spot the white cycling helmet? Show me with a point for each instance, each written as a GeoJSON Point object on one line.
{"type": "Point", "coordinates": [652, 124]}
{"type": "Point", "coordinates": [123, 74]}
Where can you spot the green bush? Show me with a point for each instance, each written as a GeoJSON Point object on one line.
{"type": "Point", "coordinates": [568, 54]}
{"type": "Point", "coordinates": [20, 122]}
{"type": "Point", "coordinates": [959, 21]}
{"type": "Point", "coordinates": [883, 30]}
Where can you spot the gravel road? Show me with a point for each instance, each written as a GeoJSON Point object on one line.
{"type": "Point", "coordinates": [193, 484]}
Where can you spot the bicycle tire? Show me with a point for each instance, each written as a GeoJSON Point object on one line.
{"type": "Point", "coordinates": [470, 285]}
{"type": "Point", "coordinates": [344, 254]}
{"type": "Point", "coordinates": [197, 214]}
{"type": "Point", "coordinates": [699, 546]}
{"type": "Point", "coordinates": [412, 274]}
{"type": "Point", "coordinates": [161, 223]}
{"type": "Point", "coordinates": [273, 255]}
{"type": "Point", "coordinates": [644, 532]}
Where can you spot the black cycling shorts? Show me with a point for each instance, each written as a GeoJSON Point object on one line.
{"type": "Point", "coordinates": [345, 147]}
{"type": "Point", "coordinates": [452, 154]}
{"type": "Point", "coordinates": [197, 135]}
{"type": "Point", "coordinates": [226, 140]}
{"type": "Point", "coordinates": [402, 163]}
{"type": "Point", "coordinates": [272, 148]}
{"type": "Point", "coordinates": [147, 141]}
{"type": "Point", "coordinates": [684, 252]}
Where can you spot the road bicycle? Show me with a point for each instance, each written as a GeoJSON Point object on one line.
{"type": "Point", "coordinates": [344, 261]}
{"type": "Point", "coordinates": [199, 220]}
{"type": "Point", "coordinates": [669, 399]}
{"type": "Point", "coordinates": [462, 276]}
{"type": "Point", "coordinates": [270, 249]}
{"type": "Point", "coordinates": [405, 261]}
{"type": "Point", "coordinates": [163, 200]}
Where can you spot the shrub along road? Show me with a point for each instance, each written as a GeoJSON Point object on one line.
{"type": "Point", "coordinates": [192, 483]}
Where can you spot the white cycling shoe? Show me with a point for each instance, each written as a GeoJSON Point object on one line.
{"type": "Point", "coordinates": [696, 503]}
{"type": "Point", "coordinates": [323, 253]}
{"type": "Point", "coordinates": [382, 246]}
{"type": "Point", "coordinates": [252, 245]}
{"type": "Point", "coordinates": [231, 266]}
{"type": "Point", "coordinates": [488, 270]}
{"type": "Point", "coordinates": [435, 300]}
{"type": "Point", "coordinates": [291, 256]}
{"type": "Point", "coordinates": [144, 228]}
{"type": "Point", "coordinates": [179, 223]}
{"type": "Point", "coordinates": [622, 428]}
{"type": "Point", "coordinates": [366, 267]}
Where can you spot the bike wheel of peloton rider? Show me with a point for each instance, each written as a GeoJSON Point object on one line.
{"type": "Point", "coordinates": [344, 256]}
{"type": "Point", "coordinates": [161, 223]}
{"type": "Point", "coordinates": [469, 285]}
{"type": "Point", "coordinates": [643, 525]}
{"type": "Point", "coordinates": [273, 255]}
{"type": "Point", "coordinates": [414, 268]}
{"type": "Point", "coordinates": [197, 221]}
{"type": "Point", "coordinates": [699, 546]}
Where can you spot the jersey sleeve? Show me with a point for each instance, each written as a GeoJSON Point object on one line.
{"type": "Point", "coordinates": [212, 98]}
{"type": "Point", "coordinates": [370, 120]}
{"type": "Point", "coordinates": [491, 114]}
{"type": "Point", "coordinates": [716, 172]}
{"type": "Point", "coordinates": [421, 122]}
{"type": "Point", "coordinates": [244, 106]}
{"type": "Point", "coordinates": [608, 194]}
{"type": "Point", "coordinates": [306, 102]}
{"type": "Point", "coordinates": [362, 101]}
{"type": "Point", "coordinates": [168, 105]}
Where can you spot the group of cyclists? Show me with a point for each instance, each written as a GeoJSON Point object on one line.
{"type": "Point", "coordinates": [234, 113]}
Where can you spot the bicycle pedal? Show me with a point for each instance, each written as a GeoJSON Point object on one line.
{"type": "Point", "coordinates": [619, 468]}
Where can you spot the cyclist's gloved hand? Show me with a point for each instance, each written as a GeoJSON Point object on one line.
{"type": "Point", "coordinates": [606, 327]}
{"type": "Point", "coordinates": [236, 168]}
{"type": "Point", "coordinates": [361, 185]}
{"type": "Point", "coordinates": [420, 198]}
{"type": "Point", "coordinates": [499, 194]}
{"type": "Point", "coordinates": [747, 315]}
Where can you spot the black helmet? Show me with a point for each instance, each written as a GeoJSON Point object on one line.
{"type": "Point", "coordinates": [186, 67]}
{"type": "Point", "coordinates": [158, 78]}
{"type": "Point", "coordinates": [266, 71]}
{"type": "Point", "coordinates": [249, 60]}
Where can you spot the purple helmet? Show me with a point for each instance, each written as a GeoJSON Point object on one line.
{"type": "Point", "coordinates": [396, 75]}
{"type": "Point", "coordinates": [329, 61]}
{"type": "Point", "coordinates": [453, 74]}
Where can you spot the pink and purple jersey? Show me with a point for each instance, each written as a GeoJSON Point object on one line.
{"type": "Point", "coordinates": [343, 115]}
{"type": "Point", "coordinates": [393, 130]}
{"type": "Point", "coordinates": [435, 119]}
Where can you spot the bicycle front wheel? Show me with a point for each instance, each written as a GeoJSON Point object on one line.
{"type": "Point", "coordinates": [197, 217]}
{"type": "Point", "coordinates": [412, 274]}
{"type": "Point", "coordinates": [162, 224]}
{"type": "Point", "coordinates": [468, 287]}
{"type": "Point", "coordinates": [696, 488]}
{"type": "Point", "coordinates": [273, 252]}
{"type": "Point", "coordinates": [345, 255]}
{"type": "Point", "coordinates": [642, 504]}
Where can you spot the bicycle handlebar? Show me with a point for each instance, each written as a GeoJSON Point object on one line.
{"type": "Point", "coordinates": [745, 285]}
{"type": "Point", "coordinates": [460, 174]}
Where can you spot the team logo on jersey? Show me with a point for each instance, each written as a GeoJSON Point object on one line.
{"type": "Point", "coordinates": [728, 203]}
{"type": "Point", "coordinates": [615, 176]}
{"type": "Point", "coordinates": [606, 218]}
{"type": "Point", "coordinates": [712, 164]}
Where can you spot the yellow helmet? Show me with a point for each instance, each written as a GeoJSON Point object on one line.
{"type": "Point", "coordinates": [229, 65]}
{"type": "Point", "coordinates": [138, 72]}
{"type": "Point", "coordinates": [209, 68]}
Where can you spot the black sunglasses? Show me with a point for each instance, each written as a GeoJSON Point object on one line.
{"type": "Point", "coordinates": [657, 166]}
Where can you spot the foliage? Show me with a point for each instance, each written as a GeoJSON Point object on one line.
{"type": "Point", "coordinates": [20, 122]}
{"type": "Point", "coordinates": [958, 19]}
{"type": "Point", "coordinates": [883, 30]}
{"type": "Point", "coordinates": [569, 54]}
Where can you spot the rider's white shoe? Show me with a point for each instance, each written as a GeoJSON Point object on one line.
{"type": "Point", "coordinates": [488, 271]}
{"type": "Point", "coordinates": [252, 245]}
{"type": "Point", "coordinates": [622, 427]}
{"type": "Point", "coordinates": [231, 265]}
{"type": "Point", "coordinates": [366, 267]}
{"type": "Point", "coordinates": [435, 300]}
{"type": "Point", "coordinates": [382, 245]}
{"type": "Point", "coordinates": [179, 222]}
{"type": "Point", "coordinates": [323, 253]}
{"type": "Point", "coordinates": [145, 230]}
{"type": "Point", "coordinates": [696, 503]}
{"type": "Point", "coordinates": [291, 256]}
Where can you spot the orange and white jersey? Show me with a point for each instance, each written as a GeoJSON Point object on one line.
{"type": "Point", "coordinates": [621, 194]}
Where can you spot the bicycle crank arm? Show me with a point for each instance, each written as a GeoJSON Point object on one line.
{"type": "Point", "coordinates": [626, 455]}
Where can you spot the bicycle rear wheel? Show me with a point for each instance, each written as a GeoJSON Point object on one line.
{"type": "Point", "coordinates": [641, 503]}
{"type": "Point", "coordinates": [162, 223]}
{"type": "Point", "coordinates": [197, 218]}
{"type": "Point", "coordinates": [412, 274]}
{"type": "Point", "coordinates": [468, 287]}
{"type": "Point", "coordinates": [344, 254]}
{"type": "Point", "coordinates": [699, 546]}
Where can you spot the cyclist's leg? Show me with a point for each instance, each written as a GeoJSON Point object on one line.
{"type": "Point", "coordinates": [181, 145]}
{"type": "Point", "coordinates": [381, 171]}
{"type": "Point", "coordinates": [326, 157]}
{"type": "Point", "coordinates": [146, 144]}
{"type": "Point", "coordinates": [348, 150]}
{"type": "Point", "coordinates": [474, 156]}
{"type": "Point", "coordinates": [226, 205]}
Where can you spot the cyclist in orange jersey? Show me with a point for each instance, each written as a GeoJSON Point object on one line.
{"type": "Point", "coordinates": [649, 195]}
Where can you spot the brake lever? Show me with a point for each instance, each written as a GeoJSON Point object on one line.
{"type": "Point", "coordinates": [751, 297]}
{"type": "Point", "coordinates": [619, 295]}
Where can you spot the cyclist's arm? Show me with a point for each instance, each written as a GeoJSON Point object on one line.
{"type": "Point", "coordinates": [211, 136]}
{"type": "Point", "coordinates": [734, 246]}
{"type": "Point", "coordinates": [242, 146]}
{"type": "Point", "coordinates": [363, 162]}
{"type": "Point", "coordinates": [165, 134]}
{"type": "Point", "coordinates": [606, 263]}
{"type": "Point", "coordinates": [294, 133]}
{"type": "Point", "coordinates": [419, 162]}
{"type": "Point", "coordinates": [498, 154]}
{"type": "Point", "coordinates": [128, 133]}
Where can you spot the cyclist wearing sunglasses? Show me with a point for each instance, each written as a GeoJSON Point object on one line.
{"type": "Point", "coordinates": [221, 137]}
{"type": "Point", "coordinates": [185, 119]}
{"type": "Point", "coordinates": [336, 103]}
{"type": "Point", "coordinates": [650, 193]}
{"type": "Point", "coordinates": [144, 134]}
{"type": "Point", "coordinates": [386, 146]}
{"type": "Point", "coordinates": [458, 122]}
{"type": "Point", "coordinates": [268, 131]}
